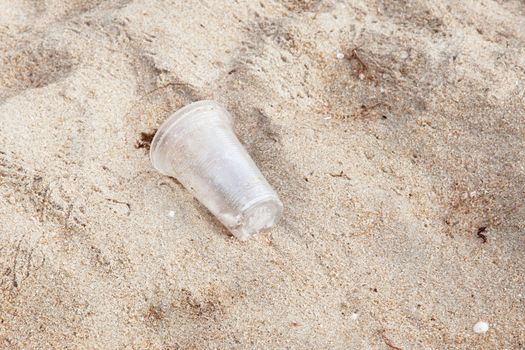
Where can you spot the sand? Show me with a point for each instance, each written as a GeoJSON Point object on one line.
{"type": "Point", "coordinates": [393, 132]}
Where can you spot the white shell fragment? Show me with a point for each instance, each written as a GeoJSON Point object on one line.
{"type": "Point", "coordinates": [481, 327]}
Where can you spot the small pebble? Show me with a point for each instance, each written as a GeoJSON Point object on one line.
{"type": "Point", "coordinates": [361, 76]}
{"type": "Point", "coordinates": [354, 316]}
{"type": "Point", "coordinates": [171, 214]}
{"type": "Point", "coordinates": [340, 55]}
{"type": "Point", "coordinates": [403, 55]}
{"type": "Point", "coordinates": [481, 327]}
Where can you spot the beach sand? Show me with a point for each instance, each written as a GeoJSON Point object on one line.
{"type": "Point", "coordinates": [393, 131]}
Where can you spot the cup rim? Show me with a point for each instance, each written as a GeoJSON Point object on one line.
{"type": "Point", "coordinates": [177, 118]}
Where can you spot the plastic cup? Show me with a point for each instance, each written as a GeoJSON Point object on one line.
{"type": "Point", "coordinates": [198, 147]}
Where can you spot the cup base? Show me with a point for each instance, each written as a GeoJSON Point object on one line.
{"type": "Point", "coordinates": [258, 217]}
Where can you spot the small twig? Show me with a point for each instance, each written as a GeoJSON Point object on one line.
{"type": "Point", "coordinates": [120, 202]}
{"type": "Point", "coordinates": [363, 65]}
{"type": "Point", "coordinates": [340, 174]}
{"type": "Point", "coordinates": [481, 235]}
{"type": "Point", "coordinates": [363, 68]}
{"type": "Point", "coordinates": [371, 107]}
{"type": "Point", "coordinates": [365, 111]}
{"type": "Point", "coordinates": [145, 139]}
{"type": "Point", "coordinates": [388, 342]}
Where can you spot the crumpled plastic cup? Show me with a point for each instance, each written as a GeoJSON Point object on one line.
{"type": "Point", "coordinates": [197, 146]}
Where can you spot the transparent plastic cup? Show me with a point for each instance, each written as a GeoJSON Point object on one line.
{"type": "Point", "coordinates": [198, 147]}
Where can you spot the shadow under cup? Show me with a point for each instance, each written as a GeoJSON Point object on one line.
{"type": "Point", "coordinates": [198, 147]}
